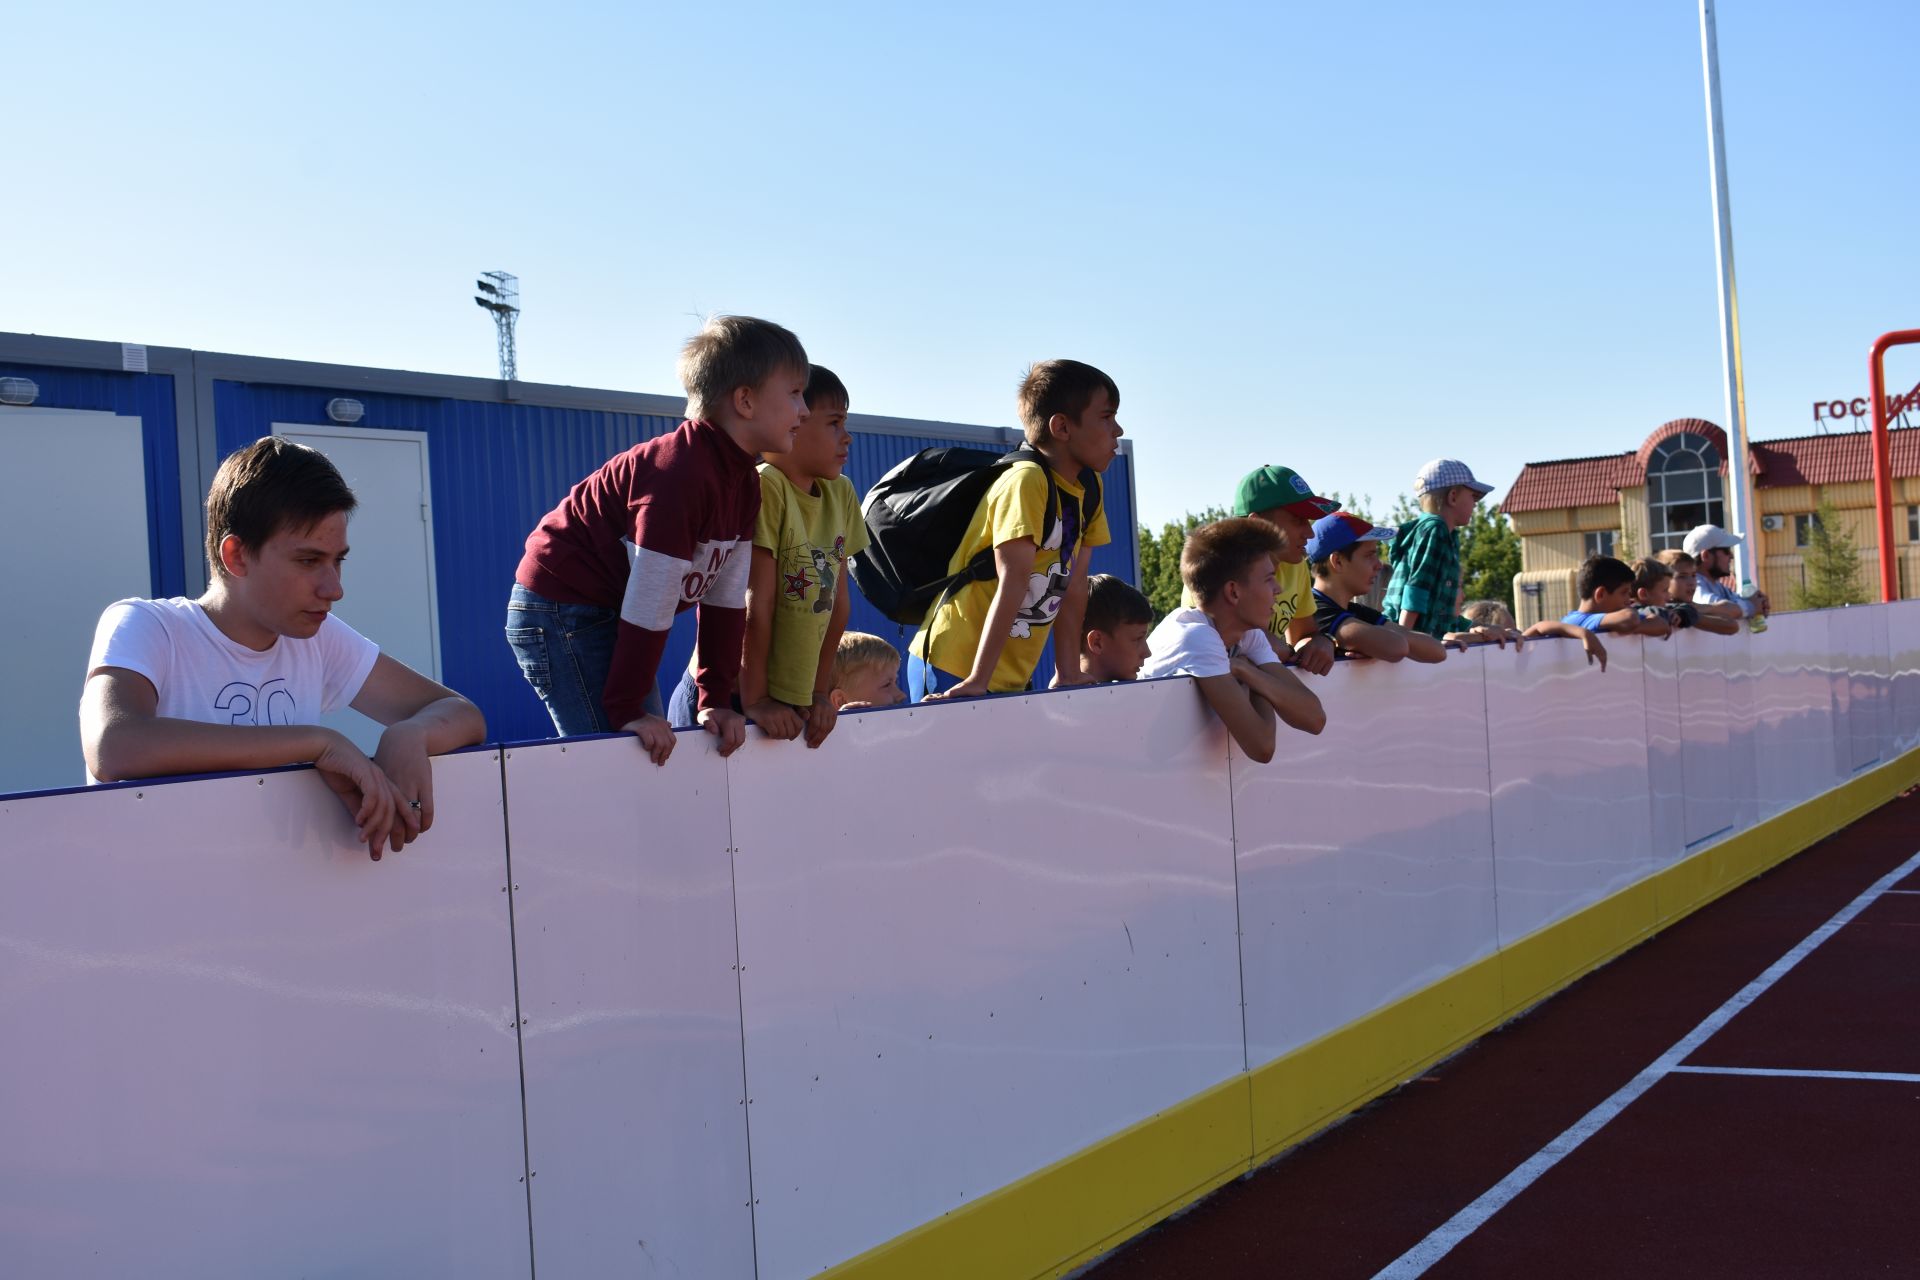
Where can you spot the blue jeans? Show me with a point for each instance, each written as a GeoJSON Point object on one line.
{"type": "Point", "coordinates": [683, 708]}
{"type": "Point", "coordinates": [924, 678]}
{"type": "Point", "coordinates": [565, 652]}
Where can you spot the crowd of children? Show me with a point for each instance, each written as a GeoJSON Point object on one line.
{"type": "Point", "coordinates": [743, 514]}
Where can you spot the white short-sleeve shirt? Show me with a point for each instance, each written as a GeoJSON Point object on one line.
{"type": "Point", "coordinates": [201, 674]}
{"type": "Point", "coordinates": [1186, 643]}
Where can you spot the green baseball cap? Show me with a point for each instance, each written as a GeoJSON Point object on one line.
{"type": "Point", "coordinates": [1271, 487]}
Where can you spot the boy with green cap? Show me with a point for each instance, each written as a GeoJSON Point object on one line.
{"type": "Point", "coordinates": [1284, 500]}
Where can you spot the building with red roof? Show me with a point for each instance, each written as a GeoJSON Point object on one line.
{"type": "Point", "coordinates": [1637, 503]}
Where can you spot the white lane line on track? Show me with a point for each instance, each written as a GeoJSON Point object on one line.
{"type": "Point", "coordinates": [1808, 1074]}
{"type": "Point", "coordinates": [1442, 1239]}
{"type": "Point", "coordinates": [1903, 891]}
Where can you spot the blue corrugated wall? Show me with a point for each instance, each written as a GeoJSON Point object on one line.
{"type": "Point", "coordinates": [149, 396]}
{"type": "Point", "coordinates": [497, 468]}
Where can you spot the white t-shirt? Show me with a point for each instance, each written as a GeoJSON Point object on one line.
{"type": "Point", "coordinates": [202, 675]}
{"type": "Point", "coordinates": [1186, 643]}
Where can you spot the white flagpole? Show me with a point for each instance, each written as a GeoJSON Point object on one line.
{"type": "Point", "coordinates": [1740, 510]}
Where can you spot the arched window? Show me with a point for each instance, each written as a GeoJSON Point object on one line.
{"type": "Point", "coordinates": [1683, 488]}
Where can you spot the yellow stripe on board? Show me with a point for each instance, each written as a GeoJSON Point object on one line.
{"type": "Point", "coordinates": [1060, 1217]}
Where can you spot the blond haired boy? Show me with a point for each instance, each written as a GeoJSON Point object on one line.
{"type": "Point", "coordinates": [866, 673]}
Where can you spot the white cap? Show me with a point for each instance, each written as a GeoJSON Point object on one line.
{"type": "Point", "coordinates": [1706, 537]}
{"type": "Point", "coordinates": [1444, 473]}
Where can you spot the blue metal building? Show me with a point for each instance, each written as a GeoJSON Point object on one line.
{"type": "Point", "coordinates": [500, 456]}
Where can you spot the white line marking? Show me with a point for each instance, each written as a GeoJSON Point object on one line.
{"type": "Point", "coordinates": [1903, 891]}
{"type": "Point", "coordinates": [1801, 1075]}
{"type": "Point", "coordinates": [1442, 1239]}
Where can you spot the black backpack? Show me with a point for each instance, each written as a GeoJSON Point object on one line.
{"type": "Point", "coordinates": [916, 515]}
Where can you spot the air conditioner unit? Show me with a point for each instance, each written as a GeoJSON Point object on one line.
{"type": "Point", "coordinates": [1773, 524]}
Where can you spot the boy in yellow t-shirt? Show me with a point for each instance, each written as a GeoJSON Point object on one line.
{"type": "Point", "coordinates": [988, 636]}
{"type": "Point", "coordinates": [797, 586]}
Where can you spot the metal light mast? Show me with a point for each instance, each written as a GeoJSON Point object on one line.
{"type": "Point", "coordinates": [500, 294]}
{"type": "Point", "coordinates": [1746, 555]}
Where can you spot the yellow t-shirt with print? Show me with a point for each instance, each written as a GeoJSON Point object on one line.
{"type": "Point", "coordinates": [1015, 507]}
{"type": "Point", "coordinates": [810, 536]}
{"type": "Point", "coordinates": [1292, 598]}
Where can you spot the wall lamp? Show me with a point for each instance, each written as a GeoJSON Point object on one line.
{"type": "Point", "coordinates": [18, 391]}
{"type": "Point", "coordinates": [345, 411]}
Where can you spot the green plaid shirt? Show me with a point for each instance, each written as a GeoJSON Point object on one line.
{"type": "Point", "coordinates": [1426, 575]}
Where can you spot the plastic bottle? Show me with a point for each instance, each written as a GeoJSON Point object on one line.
{"type": "Point", "coordinates": [1756, 621]}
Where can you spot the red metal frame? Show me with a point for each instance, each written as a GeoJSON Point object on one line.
{"type": "Point", "coordinates": [1883, 456]}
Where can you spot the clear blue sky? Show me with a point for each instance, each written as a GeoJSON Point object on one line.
{"type": "Point", "coordinates": [1343, 237]}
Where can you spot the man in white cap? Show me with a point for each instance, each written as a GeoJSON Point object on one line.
{"type": "Point", "coordinates": [1713, 547]}
{"type": "Point", "coordinates": [1426, 554]}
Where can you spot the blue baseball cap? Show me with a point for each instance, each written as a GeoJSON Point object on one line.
{"type": "Point", "coordinates": [1342, 532]}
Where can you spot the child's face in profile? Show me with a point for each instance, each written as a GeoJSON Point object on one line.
{"type": "Point", "coordinates": [1118, 654]}
{"type": "Point", "coordinates": [877, 684]}
{"type": "Point", "coordinates": [779, 406]}
{"type": "Point", "coordinates": [1252, 596]}
{"type": "Point", "coordinates": [1354, 570]}
{"type": "Point", "coordinates": [1094, 438]}
{"type": "Point", "coordinates": [1297, 531]}
{"type": "Point", "coordinates": [1608, 599]}
{"type": "Point", "coordinates": [820, 445]}
{"type": "Point", "coordinates": [1684, 581]}
{"type": "Point", "coordinates": [1660, 592]}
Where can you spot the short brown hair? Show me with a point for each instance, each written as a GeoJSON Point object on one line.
{"type": "Point", "coordinates": [1674, 558]}
{"type": "Point", "coordinates": [731, 352]}
{"type": "Point", "coordinates": [859, 650]}
{"type": "Point", "coordinates": [1487, 613]}
{"type": "Point", "coordinates": [1649, 572]}
{"type": "Point", "coordinates": [1218, 553]}
{"type": "Point", "coordinates": [1113, 603]}
{"type": "Point", "coordinates": [1060, 386]}
{"type": "Point", "coordinates": [270, 485]}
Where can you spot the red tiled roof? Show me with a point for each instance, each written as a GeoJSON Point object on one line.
{"type": "Point", "coordinates": [1840, 459]}
{"type": "Point", "coordinates": [1590, 482]}
{"type": "Point", "coordinates": [1575, 482]}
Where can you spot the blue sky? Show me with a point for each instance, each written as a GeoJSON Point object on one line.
{"type": "Point", "coordinates": [1347, 238]}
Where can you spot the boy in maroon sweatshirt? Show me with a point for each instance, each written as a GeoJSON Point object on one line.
{"type": "Point", "coordinates": [665, 526]}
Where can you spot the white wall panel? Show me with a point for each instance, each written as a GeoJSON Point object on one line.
{"type": "Point", "coordinates": [1903, 649]}
{"type": "Point", "coordinates": [1571, 817]}
{"type": "Point", "coordinates": [1859, 644]}
{"type": "Point", "coordinates": [975, 939]}
{"type": "Point", "coordinates": [238, 1047]}
{"type": "Point", "coordinates": [623, 918]}
{"type": "Point", "coordinates": [1743, 713]}
{"type": "Point", "coordinates": [1795, 756]}
{"type": "Point", "coordinates": [70, 560]}
{"type": "Point", "coordinates": [1706, 721]}
{"type": "Point", "coordinates": [1365, 854]}
{"type": "Point", "coordinates": [1666, 784]}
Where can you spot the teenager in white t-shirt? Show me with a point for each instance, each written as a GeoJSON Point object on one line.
{"type": "Point", "coordinates": [1228, 566]}
{"type": "Point", "coordinates": [238, 678]}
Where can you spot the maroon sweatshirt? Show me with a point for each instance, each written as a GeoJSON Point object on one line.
{"type": "Point", "coordinates": [662, 527]}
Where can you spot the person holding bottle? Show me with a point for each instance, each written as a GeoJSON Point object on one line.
{"type": "Point", "coordinates": [1713, 547]}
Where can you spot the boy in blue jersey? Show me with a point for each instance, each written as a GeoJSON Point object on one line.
{"type": "Point", "coordinates": [1607, 604]}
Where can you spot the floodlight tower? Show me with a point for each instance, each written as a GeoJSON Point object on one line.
{"type": "Point", "coordinates": [500, 294]}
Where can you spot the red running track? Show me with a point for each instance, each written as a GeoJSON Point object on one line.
{"type": "Point", "coordinates": [1691, 1171]}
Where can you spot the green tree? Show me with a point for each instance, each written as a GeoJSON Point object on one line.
{"type": "Point", "coordinates": [1832, 564]}
{"type": "Point", "coordinates": [1160, 558]}
{"type": "Point", "coordinates": [1489, 556]}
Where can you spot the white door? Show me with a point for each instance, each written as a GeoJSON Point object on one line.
{"type": "Point", "coordinates": [73, 517]}
{"type": "Point", "coordinates": [388, 577]}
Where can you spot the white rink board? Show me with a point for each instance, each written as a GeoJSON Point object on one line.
{"type": "Point", "coordinates": [1366, 853]}
{"type": "Point", "coordinates": [1568, 755]}
{"type": "Point", "coordinates": [623, 915]}
{"type": "Point", "coordinates": [1795, 756]}
{"type": "Point", "coordinates": [253, 1050]}
{"type": "Point", "coordinates": [975, 939]}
